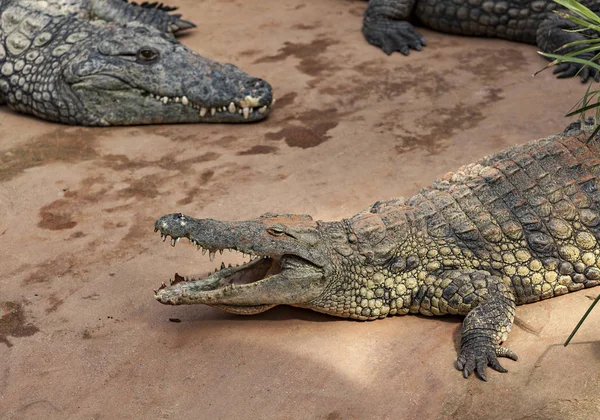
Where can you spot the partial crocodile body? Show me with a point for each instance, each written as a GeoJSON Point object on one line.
{"type": "Point", "coordinates": [513, 228]}
{"type": "Point", "coordinates": [386, 25]}
{"type": "Point", "coordinates": [110, 62]}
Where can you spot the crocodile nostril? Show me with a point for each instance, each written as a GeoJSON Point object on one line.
{"type": "Point", "coordinates": [255, 83]}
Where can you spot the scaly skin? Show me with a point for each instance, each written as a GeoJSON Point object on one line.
{"type": "Point", "coordinates": [513, 228]}
{"type": "Point", "coordinates": [386, 25]}
{"type": "Point", "coordinates": [110, 62]}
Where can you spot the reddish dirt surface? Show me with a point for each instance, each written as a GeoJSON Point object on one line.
{"type": "Point", "coordinates": [81, 335]}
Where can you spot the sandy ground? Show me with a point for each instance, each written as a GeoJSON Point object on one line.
{"type": "Point", "coordinates": [81, 335]}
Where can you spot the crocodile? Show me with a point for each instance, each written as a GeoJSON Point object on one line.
{"type": "Point", "coordinates": [512, 228]}
{"type": "Point", "coordinates": [113, 62]}
{"type": "Point", "coordinates": [386, 25]}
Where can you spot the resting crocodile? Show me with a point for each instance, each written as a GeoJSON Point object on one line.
{"type": "Point", "coordinates": [386, 25]}
{"type": "Point", "coordinates": [110, 62]}
{"type": "Point", "coordinates": [513, 228]}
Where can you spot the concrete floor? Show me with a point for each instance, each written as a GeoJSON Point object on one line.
{"type": "Point", "coordinates": [81, 335]}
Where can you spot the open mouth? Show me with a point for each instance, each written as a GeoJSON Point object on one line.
{"type": "Point", "coordinates": [227, 280]}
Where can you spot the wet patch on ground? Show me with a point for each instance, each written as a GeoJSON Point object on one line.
{"type": "Point", "coordinates": [286, 100]}
{"type": "Point", "coordinates": [374, 82]}
{"type": "Point", "coordinates": [55, 302]}
{"type": "Point", "coordinates": [313, 131]}
{"type": "Point", "coordinates": [440, 124]}
{"type": "Point", "coordinates": [168, 162]}
{"type": "Point", "coordinates": [258, 150]}
{"type": "Point", "coordinates": [61, 145]}
{"type": "Point", "coordinates": [13, 322]}
{"type": "Point", "coordinates": [309, 54]}
{"type": "Point", "coordinates": [490, 64]}
{"type": "Point", "coordinates": [50, 270]}
{"type": "Point", "coordinates": [57, 216]}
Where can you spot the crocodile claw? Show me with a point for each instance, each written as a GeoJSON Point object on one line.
{"type": "Point", "coordinates": [566, 70]}
{"type": "Point", "coordinates": [393, 35]}
{"type": "Point", "coordinates": [477, 358]}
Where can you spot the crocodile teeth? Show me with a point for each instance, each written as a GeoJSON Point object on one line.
{"type": "Point", "coordinates": [231, 107]}
{"type": "Point", "coordinates": [211, 255]}
{"type": "Point", "coordinates": [246, 112]}
{"type": "Point", "coordinates": [213, 111]}
{"type": "Point", "coordinates": [173, 241]}
{"type": "Point", "coordinates": [165, 100]}
{"type": "Point", "coordinates": [262, 110]}
{"type": "Point", "coordinates": [203, 251]}
{"type": "Point", "coordinates": [163, 237]}
{"type": "Point", "coordinates": [184, 100]}
{"type": "Point", "coordinates": [203, 112]}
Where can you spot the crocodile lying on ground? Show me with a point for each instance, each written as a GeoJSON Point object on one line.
{"type": "Point", "coordinates": [110, 62]}
{"type": "Point", "coordinates": [513, 228]}
{"type": "Point", "coordinates": [530, 21]}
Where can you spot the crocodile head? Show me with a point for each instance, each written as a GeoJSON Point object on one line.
{"type": "Point", "coordinates": [138, 75]}
{"type": "Point", "coordinates": [295, 261]}
{"type": "Point", "coordinates": [290, 262]}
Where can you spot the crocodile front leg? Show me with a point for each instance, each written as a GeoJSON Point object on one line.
{"type": "Point", "coordinates": [484, 329]}
{"type": "Point", "coordinates": [385, 26]}
{"type": "Point", "coordinates": [489, 306]}
{"type": "Point", "coordinates": [552, 34]}
{"type": "Point", "coordinates": [152, 14]}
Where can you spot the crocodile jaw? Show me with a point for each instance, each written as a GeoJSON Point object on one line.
{"type": "Point", "coordinates": [250, 288]}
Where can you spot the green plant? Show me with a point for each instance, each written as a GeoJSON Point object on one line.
{"type": "Point", "coordinates": [587, 21]}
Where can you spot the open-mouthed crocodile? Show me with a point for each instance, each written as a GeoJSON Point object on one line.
{"type": "Point", "coordinates": [112, 62]}
{"type": "Point", "coordinates": [513, 228]}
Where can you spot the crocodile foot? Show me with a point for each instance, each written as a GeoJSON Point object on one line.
{"type": "Point", "coordinates": [477, 354]}
{"type": "Point", "coordinates": [393, 35]}
{"type": "Point", "coordinates": [565, 70]}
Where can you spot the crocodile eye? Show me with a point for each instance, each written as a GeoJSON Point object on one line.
{"type": "Point", "coordinates": [276, 230]}
{"type": "Point", "coordinates": [147, 54]}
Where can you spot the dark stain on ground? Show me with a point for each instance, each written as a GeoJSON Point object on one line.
{"type": "Point", "coordinates": [286, 100]}
{"type": "Point", "coordinates": [259, 149]}
{"type": "Point", "coordinates": [183, 133]}
{"type": "Point", "coordinates": [50, 270]}
{"type": "Point", "coordinates": [378, 82]}
{"type": "Point", "coordinates": [308, 54]}
{"type": "Point", "coordinates": [444, 123]}
{"type": "Point", "coordinates": [136, 237]}
{"type": "Point", "coordinates": [225, 141]}
{"type": "Point", "coordinates": [249, 53]}
{"type": "Point", "coordinates": [13, 324]}
{"type": "Point", "coordinates": [57, 216]}
{"type": "Point", "coordinates": [77, 235]}
{"type": "Point", "coordinates": [145, 187]}
{"type": "Point", "coordinates": [313, 131]}
{"type": "Point", "coordinates": [54, 302]}
{"type": "Point", "coordinates": [334, 415]}
{"type": "Point", "coordinates": [303, 27]}
{"type": "Point", "coordinates": [490, 64]}
{"type": "Point", "coordinates": [61, 145]}
{"type": "Point", "coordinates": [354, 10]}
{"type": "Point", "coordinates": [168, 162]}
{"type": "Point", "coordinates": [195, 191]}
